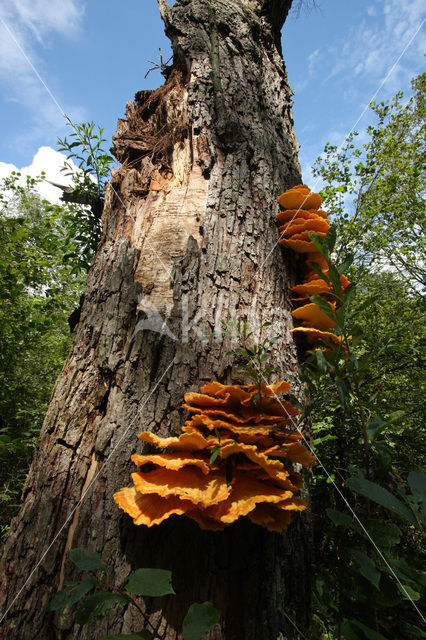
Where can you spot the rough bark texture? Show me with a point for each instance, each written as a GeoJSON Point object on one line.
{"type": "Point", "coordinates": [188, 229]}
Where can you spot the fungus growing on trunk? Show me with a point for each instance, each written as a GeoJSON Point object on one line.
{"type": "Point", "coordinates": [300, 217]}
{"type": "Point", "coordinates": [234, 458]}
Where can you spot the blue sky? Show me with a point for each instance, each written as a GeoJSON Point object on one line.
{"type": "Point", "coordinates": [93, 56]}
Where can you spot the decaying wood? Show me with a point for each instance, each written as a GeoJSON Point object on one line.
{"type": "Point", "coordinates": [189, 237]}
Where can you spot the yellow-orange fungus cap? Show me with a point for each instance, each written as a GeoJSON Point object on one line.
{"type": "Point", "coordinates": [260, 441]}
{"type": "Point", "coordinates": [275, 389]}
{"type": "Point", "coordinates": [228, 414]}
{"type": "Point", "coordinates": [173, 461]}
{"type": "Point", "coordinates": [316, 285]}
{"type": "Point", "coordinates": [312, 316]}
{"type": "Point", "coordinates": [235, 392]}
{"type": "Point", "coordinates": [271, 518]}
{"type": "Point", "coordinates": [188, 441]}
{"type": "Point", "coordinates": [295, 199]}
{"type": "Point", "coordinates": [314, 335]}
{"type": "Point", "coordinates": [212, 424]}
{"type": "Point", "coordinates": [251, 452]}
{"type": "Point", "coordinates": [312, 225]}
{"type": "Point", "coordinates": [150, 509]}
{"type": "Point", "coordinates": [296, 214]}
{"type": "Point", "coordinates": [245, 494]}
{"type": "Point", "coordinates": [294, 451]}
{"type": "Point", "coordinates": [203, 400]}
{"type": "Point", "coordinates": [292, 504]}
{"type": "Point", "coordinates": [204, 522]}
{"type": "Point", "coordinates": [255, 416]}
{"type": "Point", "coordinates": [187, 484]}
{"type": "Point", "coordinates": [290, 480]}
{"type": "Point", "coordinates": [275, 406]}
{"type": "Point", "coordinates": [299, 246]}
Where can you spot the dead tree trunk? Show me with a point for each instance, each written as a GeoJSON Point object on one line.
{"type": "Point", "coordinates": [189, 232]}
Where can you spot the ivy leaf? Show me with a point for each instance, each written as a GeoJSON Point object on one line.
{"type": "Point", "coordinates": [199, 620]}
{"type": "Point", "coordinates": [382, 496]}
{"type": "Point", "coordinates": [150, 582]}
{"type": "Point", "coordinates": [86, 560]}
{"type": "Point", "coordinates": [98, 605]}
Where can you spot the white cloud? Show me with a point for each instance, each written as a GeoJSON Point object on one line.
{"type": "Point", "coordinates": [48, 160]}
{"type": "Point", "coordinates": [25, 29]}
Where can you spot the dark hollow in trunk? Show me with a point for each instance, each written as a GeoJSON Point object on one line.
{"type": "Point", "coordinates": [189, 235]}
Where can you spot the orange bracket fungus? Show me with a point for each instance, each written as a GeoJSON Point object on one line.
{"type": "Point", "coordinates": [301, 215]}
{"type": "Point", "coordinates": [231, 460]}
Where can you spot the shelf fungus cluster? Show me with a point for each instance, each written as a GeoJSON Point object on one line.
{"type": "Point", "coordinates": [234, 458]}
{"type": "Point", "coordinates": [300, 216]}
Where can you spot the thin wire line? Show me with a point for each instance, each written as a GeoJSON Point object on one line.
{"type": "Point", "coordinates": [95, 477]}
{"type": "Point", "coordinates": [33, 68]}
{"type": "Point", "coordinates": [343, 141]}
{"type": "Point", "coordinates": [342, 496]}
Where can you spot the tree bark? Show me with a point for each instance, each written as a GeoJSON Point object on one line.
{"type": "Point", "coordinates": [189, 235]}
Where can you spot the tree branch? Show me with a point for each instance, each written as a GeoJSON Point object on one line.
{"type": "Point", "coordinates": [163, 8]}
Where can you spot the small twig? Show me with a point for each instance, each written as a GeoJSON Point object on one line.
{"type": "Point", "coordinates": [161, 65]}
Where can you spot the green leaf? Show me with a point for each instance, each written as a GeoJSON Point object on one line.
{"type": "Point", "coordinates": [348, 631]}
{"type": "Point", "coordinates": [333, 274]}
{"type": "Point", "coordinates": [330, 238]}
{"type": "Point", "coordinates": [324, 306]}
{"type": "Point", "coordinates": [366, 567]}
{"type": "Point", "coordinates": [417, 484]}
{"type": "Point", "coordinates": [59, 600]}
{"type": "Point", "coordinates": [199, 620]}
{"type": "Point", "coordinates": [214, 454]}
{"type": "Point", "coordinates": [342, 392]}
{"type": "Point", "coordinates": [369, 633]}
{"type": "Point", "coordinates": [381, 496]}
{"type": "Point", "coordinates": [98, 605]}
{"type": "Point", "coordinates": [81, 589]}
{"type": "Point", "coordinates": [376, 425]}
{"type": "Point", "coordinates": [408, 592]}
{"type": "Point", "coordinates": [142, 635]}
{"type": "Point", "coordinates": [348, 294]}
{"type": "Point", "coordinates": [320, 245]}
{"type": "Point", "coordinates": [384, 534]}
{"type": "Point", "coordinates": [150, 582]}
{"type": "Point", "coordinates": [86, 560]}
{"type": "Point", "coordinates": [344, 266]}
{"type": "Point", "coordinates": [338, 518]}
{"type": "Point", "coordinates": [321, 361]}
{"type": "Point", "coordinates": [315, 266]}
